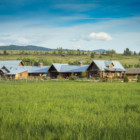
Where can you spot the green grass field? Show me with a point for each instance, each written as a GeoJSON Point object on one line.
{"type": "Point", "coordinates": [48, 59]}
{"type": "Point", "coordinates": [69, 110]}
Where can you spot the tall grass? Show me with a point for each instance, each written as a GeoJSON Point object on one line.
{"type": "Point", "coordinates": [69, 110]}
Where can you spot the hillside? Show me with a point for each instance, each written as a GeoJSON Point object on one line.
{"type": "Point", "coordinates": [36, 48]}
{"type": "Point", "coordinates": [100, 51]}
{"type": "Point", "coordinates": [27, 48]}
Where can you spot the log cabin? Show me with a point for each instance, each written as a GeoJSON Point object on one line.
{"type": "Point", "coordinates": [65, 70]}
{"type": "Point", "coordinates": [132, 73]}
{"type": "Point", "coordinates": [105, 69]}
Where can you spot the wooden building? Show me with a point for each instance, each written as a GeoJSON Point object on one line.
{"type": "Point", "coordinates": [16, 69]}
{"type": "Point", "coordinates": [105, 69]}
{"type": "Point", "coordinates": [65, 70]}
{"type": "Point", "coordinates": [132, 73]}
{"type": "Point", "coordinates": [14, 72]}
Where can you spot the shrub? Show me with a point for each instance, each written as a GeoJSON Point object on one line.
{"type": "Point", "coordinates": [126, 78]}
{"type": "Point", "coordinates": [105, 79]}
{"type": "Point", "coordinates": [138, 78]}
{"type": "Point", "coordinates": [60, 78]}
{"type": "Point", "coordinates": [84, 74]}
{"type": "Point", "coordinates": [72, 77]}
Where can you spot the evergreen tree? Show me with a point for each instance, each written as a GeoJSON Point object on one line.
{"type": "Point", "coordinates": [138, 78]}
{"type": "Point", "coordinates": [5, 52]}
{"type": "Point", "coordinates": [60, 51]}
{"type": "Point", "coordinates": [135, 53]}
{"type": "Point", "coordinates": [78, 52]}
{"type": "Point", "coordinates": [92, 55]}
{"type": "Point", "coordinates": [126, 78]}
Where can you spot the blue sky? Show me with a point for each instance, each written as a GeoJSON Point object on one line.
{"type": "Point", "coordinates": [71, 24]}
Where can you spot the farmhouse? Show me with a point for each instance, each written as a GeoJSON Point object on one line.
{"type": "Point", "coordinates": [15, 69]}
{"type": "Point", "coordinates": [108, 69]}
{"type": "Point", "coordinates": [132, 73]}
{"type": "Point", "coordinates": [14, 72]}
{"type": "Point", "coordinates": [65, 70]}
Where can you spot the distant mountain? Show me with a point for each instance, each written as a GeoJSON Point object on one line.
{"type": "Point", "coordinates": [100, 51]}
{"type": "Point", "coordinates": [28, 48]}
{"type": "Point", "coordinates": [37, 48]}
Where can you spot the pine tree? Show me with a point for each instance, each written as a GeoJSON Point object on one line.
{"type": "Point", "coordinates": [92, 55]}
{"type": "Point", "coordinates": [126, 78]}
{"type": "Point", "coordinates": [138, 79]}
{"type": "Point", "coordinates": [135, 53]}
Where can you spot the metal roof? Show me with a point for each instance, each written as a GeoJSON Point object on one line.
{"type": "Point", "coordinates": [102, 65]}
{"type": "Point", "coordinates": [58, 66]}
{"type": "Point", "coordinates": [18, 69]}
{"type": "Point", "coordinates": [36, 69]}
{"type": "Point", "coordinates": [133, 71]}
{"type": "Point", "coordinates": [10, 63]}
{"type": "Point", "coordinates": [69, 68]}
{"type": "Point", "coordinates": [15, 70]}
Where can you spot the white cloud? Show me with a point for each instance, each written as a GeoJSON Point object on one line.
{"type": "Point", "coordinates": [98, 36]}
{"type": "Point", "coordinates": [123, 32]}
{"type": "Point", "coordinates": [22, 40]}
{"type": "Point", "coordinates": [2, 44]}
{"type": "Point", "coordinates": [13, 39]}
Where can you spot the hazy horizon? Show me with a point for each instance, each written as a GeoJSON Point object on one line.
{"type": "Point", "coordinates": [85, 25]}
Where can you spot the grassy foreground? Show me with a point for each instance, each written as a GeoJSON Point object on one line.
{"type": "Point", "coordinates": [69, 110]}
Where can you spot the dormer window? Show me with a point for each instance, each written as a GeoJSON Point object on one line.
{"type": "Point", "coordinates": [110, 65]}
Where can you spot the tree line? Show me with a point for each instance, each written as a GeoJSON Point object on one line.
{"type": "Point", "coordinates": [62, 52]}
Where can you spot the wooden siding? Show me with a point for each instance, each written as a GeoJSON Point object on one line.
{"type": "Point", "coordinates": [52, 72]}
{"type": "Point", "coordinates": [21, 64]}
{"type": "Point", "coordinates": [93, 71]}
{"type": "Point", "coordinates": [111, 65]}
{"type": "Point", "coordinates": [132, 77]}
{"type": "Point", "coordinates": [22, 75]}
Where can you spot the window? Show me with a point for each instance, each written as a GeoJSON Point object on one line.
{"type": "Point", "coordinates": [20, 74]}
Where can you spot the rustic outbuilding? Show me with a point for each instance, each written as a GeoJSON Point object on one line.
{"type": "Point", "coordinates": [132, 73]}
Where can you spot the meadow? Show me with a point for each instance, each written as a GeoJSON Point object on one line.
{"type": "Point", "coordinates": [69, 110]}
{"type": "Point", "coordinates": [33, 57]}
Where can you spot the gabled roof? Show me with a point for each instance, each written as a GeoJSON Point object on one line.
{"type": "Point", "coordinates": [69, 68]}
{"type": "Point", "coordinates": [36, 69]}
{"type": "Point", "coordinates": [14, 69]}
{"type": "Point", "coordinates": [58, 66]}
{"type": "Point", "coordinates": [102, 65]}
{"type": "Point", "coordinates": [10, 63]}
{"type": "Point", "coordinates": [30, 69]}
{"type": "Point", "coordinates": [107, 63]}
{"type": "Point", "coordinates": [133, 71]}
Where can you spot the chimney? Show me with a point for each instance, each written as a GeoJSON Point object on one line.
{"type": "Point", "coordinates": [40, 64]}
{"type": "Point", "coordinates": [80, 63]}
